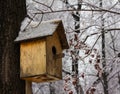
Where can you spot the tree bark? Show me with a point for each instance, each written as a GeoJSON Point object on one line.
{"type": "Point", "coordinates": [104, 75]}
{"type": "Point", "coordinates": [12, 12]}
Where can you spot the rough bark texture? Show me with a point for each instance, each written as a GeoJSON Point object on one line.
{"type": "Point", "coordinates": [12, 12]}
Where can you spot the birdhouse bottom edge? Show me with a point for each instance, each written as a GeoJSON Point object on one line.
{"type": "Point", "coordinates": [41, 78]}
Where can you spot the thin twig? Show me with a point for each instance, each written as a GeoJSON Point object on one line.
{"type": "Point", "coordinates": [43, 5]}
{"type": "Point", "coordinates": [41, 17]}
{"type": "Point", "coordinates": [108, 9]}
{"type": "Point", "coordinates": [92, 47]}
{"type": "Point", "coordinates": [113, 75]}
{"type": "Point", "coordinates": [29, 22]}
{"type": "Point", "coordinates": [91, 35]}
{"type": "Point", "coordinates": [52, 3]}
{"type": "Point", "coordinates": [102, 9]}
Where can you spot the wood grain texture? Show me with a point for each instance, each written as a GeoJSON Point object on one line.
{"type": "Point", "coordinates": [33, 58]}
{"type": "Point", "coordinates": [54, 66]}
{"type": "Point", "coordinates": [28, 87]}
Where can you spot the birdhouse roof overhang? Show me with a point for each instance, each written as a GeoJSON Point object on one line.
{"type": "Point", "coordinates": [44, 29]}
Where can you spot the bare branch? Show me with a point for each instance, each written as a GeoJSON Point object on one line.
{"type": "Point", "coordinates": [107, 9]}
{"type": "Point", "coordinates": [30, 21]}
{"type": "Point", "coordinates": [91, 35]}
{"type": "Point", "coordinates": [43, 5]}
{"type": "Point", "coordinates": [92, 47]}
{"type": "Point", "coordinates": [112, 23]}
{"type": "Point", "coordinates": [41, 17]}
{"type": "Point", "coordinates": [102, 9]}
{"type": "Point", "coordinates": [52, 3]}
{"type": "Point", "coordinates": [85, 10]}
{"type": "Point", "coordinates": [113, 75]}
{"type": "Point", "coordinates": [113, 43]}
{"type": "Point", "coordinates": [66, 72]}
{"type": "Point", "coordinates": [96, 82]}
{"type": "Point", "coordinates": [111, 29]}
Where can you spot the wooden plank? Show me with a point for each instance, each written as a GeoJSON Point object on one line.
{"type": "Point", "coordinates": [28, 87]}
{"type": "Point", "coordinates": [41, 78]}
{"type": "Point", "coordinates": [33, 58]}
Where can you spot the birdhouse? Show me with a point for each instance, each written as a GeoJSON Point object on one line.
{"type": "Point", "coordinates": [41, 51]}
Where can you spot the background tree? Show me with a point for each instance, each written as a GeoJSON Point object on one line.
{"type": "Point", "coordinates": [12, 12]}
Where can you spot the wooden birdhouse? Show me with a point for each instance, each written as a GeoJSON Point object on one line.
{"type": "Point", "coordinates": [41, 51]}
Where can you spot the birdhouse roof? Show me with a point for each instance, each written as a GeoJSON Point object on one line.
{"type": "Point", "coordinates": [44, 29]}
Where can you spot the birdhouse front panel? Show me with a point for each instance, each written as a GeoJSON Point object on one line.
{"type": "Point", "coordinates": [33, 58]}
{"type": "Point", "coordinates": [54, 51]}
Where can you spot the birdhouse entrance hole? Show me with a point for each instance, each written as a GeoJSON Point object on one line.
{"type": "Point", "coordinates": [54, 51]}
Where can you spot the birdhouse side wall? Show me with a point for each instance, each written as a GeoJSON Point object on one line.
{"type": "Point", "coordinates": [54, 65]}
{"type": "Point", "coordinates": [33, 58]}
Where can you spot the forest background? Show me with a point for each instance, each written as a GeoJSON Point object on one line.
{"type": "Point", "coordinates": [91, 65]}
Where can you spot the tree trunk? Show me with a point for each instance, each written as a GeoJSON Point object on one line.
{"type": "Point", "coordinates": [12, 12]}
{"type": "Point", "coordinates": [76, 17]}
{"type": "Point", "coordinates": [104, 75]}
